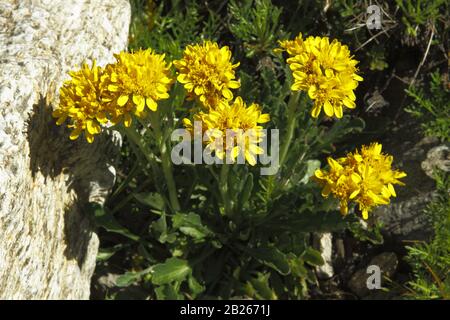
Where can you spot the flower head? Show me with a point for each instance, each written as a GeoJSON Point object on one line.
{"type": "Point", "coordinates": [207, 73]}
{"type": "Point", "coordinates": [80, 102]}
{"type": "Point", "coordinates": [325, 70]}
{"type": "Point", "coordinates": [136, 80]}
{"type": "Point", "coordinates": [364, 177]}
{"type": "Point", "coordinates": [233, 129]}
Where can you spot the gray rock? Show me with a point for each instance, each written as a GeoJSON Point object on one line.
{"type": "Point", "coordinates": [404, 218]}
{"type": "Point", "coordinates": [438, 158]}
{"type": "Point", "coordinates": [324, 243]}
{"type": "Point", "coordinates": [387, 263]}
{"type": "Point", "coordinates": [108, 281]}
{"type": "Point", "coordinates": [47, 244]}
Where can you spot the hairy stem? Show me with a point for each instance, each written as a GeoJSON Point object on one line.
{"type": "Point", "coordinates": [165, 161]}
{"type": "Point", "coordinates": [292, 121]}
{"type": "Point", "coordinates": [224, 188]}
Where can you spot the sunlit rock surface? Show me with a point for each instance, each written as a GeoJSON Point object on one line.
{"type": "Point", "coordinates": [47, 244]}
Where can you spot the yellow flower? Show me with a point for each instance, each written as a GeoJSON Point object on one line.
{"type": "Point", "coordinates": [80, 102]}
{"type": "Point", "coordinates": [241, 123]}
{"type": "Point", "coordinates": [207, 73]}
{"type": "Point", "coordinates": [364, 177]}
{"type": "Point", "coordinates": [292, 47]}
{"type": "Point", "coordinates": [136, 80]}
{"type": "Point", "coordinates": [325, 70]}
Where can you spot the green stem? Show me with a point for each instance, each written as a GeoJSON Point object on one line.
{"type": "Point", "coordinates": [287, 139]}
{"type": "Point", "coordinates": [166, 162]}
{"type": "Point", "coordinates": [168, 174]}
{"type": "Point", "coordinates": [141, 150]}
{"type": "Point", "coordinates": [125, 182]}
{"type": "Point", "coordinates": [135, 138]}
{"type": "Point", "coordinates": [224, 188]}
{"type": "Point", "coordinates": [292, 121]}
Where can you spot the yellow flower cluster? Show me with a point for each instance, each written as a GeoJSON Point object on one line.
{"type": "Point", "coordinates": [207, 73]}
{"type": "Point", "coordinates": [325, 70]}
{"type": "Point", "coordinates": [208, 76]}
{"type": "Point", "coordinates": [232, 129]}
{"type": "Point", "coordinates": [81, 102]}
{"type": "Point", "coordinates": [95, 97]}
{"type": "Point", "coordinates": [137, 80]}
{"type": "Point", "coordinates": [364, 177]}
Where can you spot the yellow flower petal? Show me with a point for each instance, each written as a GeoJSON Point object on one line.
{"type": "Point", "coordinates": [151, 104]}
{"type": "Point", "coordinates": [139, 101]}
{"type": "Point", "coordinates": [354, 194]}
{"type": "Point", "coordinates": [122, 100]}
{"type": "Point", "coordinates": [187, 122]}
{"type": "Point", "coordinates": [296, 86]}
{"type": "Point", "coordinates": [127, 120]}
{"type": "Point", "coordinates": [89, 137]}
{"type": "Point", "coordinates": [328, 108]}
{"type": "Point", "coordinates": [264, 118]}
{"type": "Point", "coordinates": [256, 149]}
{"type": "Point", "coordinates": [234, 84]}
{"type": "Point", "coordinates": [74, 134]}
{"type": "Point", "coordinates": [365, 214]}
{"type": "Point", "coordinates": [344, 207]}
{"type": "Point", "coordinates": [250, 158]}
{"type": "Point", "coordinates": [113, 88]}
{"type": "Point", "coordinates": [234, 152]}
{"type": "Point", "coordinates": [315, 111]}
{"type": "Point", "coordinates": [319, 174]}
{"type": "Point", "coordinates": [392, 190]}
{"type": "Point", "coordinates": [338, 111]}
{"type": "Point", "coordinates": [93, 127]}
{"type": "Point", "coordinates": [227, 94]}
{"type": "Point", "coordinates": [61, 120]}
{"type": "Point", "coordinates": [312, 92]}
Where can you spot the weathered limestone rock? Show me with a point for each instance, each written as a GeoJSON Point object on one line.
{"type": "Point", "coordinates": [324, 243]}
{"type": "Point", "coordinates": [47, 245]}
{"type": "Point", "coordinates": [404, 218]}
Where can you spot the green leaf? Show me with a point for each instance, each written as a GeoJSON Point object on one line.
{"type": "Point", "coordinates": [195, 286]}
{"type": "Point", "coordinates": [159, 226]}
{"type": "Point", "coordinates": [246, 191]}
{"type": "Point", "coordinates": [110, 224]}
{"type": "Point", "coordinates": [106, 253]}
{"type": "Point", "coordinates": [168, 292]}
{"type": "Point", "coordinates": [190, 224]}
{"type": "Point", "coordinates": [173, 269]}
{"type": "Point", "coordinates": [151, 199]}
{"type": "Point", "coordinates": [262, 287]}
{"type": "Point", "coordinates": [271, 257]}
{"type": "Point", "coordinates": [103, 218]}
{"type": "Point", "coordinates": [158, 229]}
{"type": "Point", "coordinates": [297, 265]}
{"type": "Point", "coordinates": [128, 278]}
{"type": "Point", "coordinates": [313, 257]}
{"type": "Point", "coordinates": [371, 234]}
